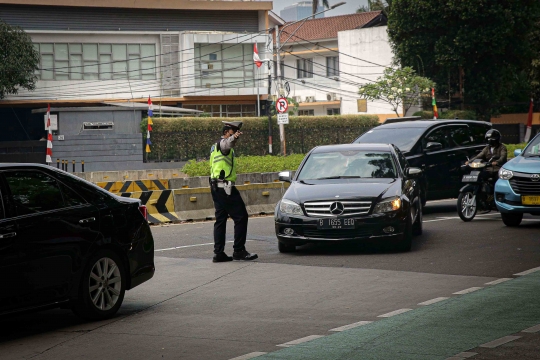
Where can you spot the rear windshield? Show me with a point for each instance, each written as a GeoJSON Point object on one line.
{"type": "Point", "coordinates": [403, 138]}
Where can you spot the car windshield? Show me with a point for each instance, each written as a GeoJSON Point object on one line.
{"type": "Point", "coordinates": [533, 149]}
{"type": "Point", "coordinates": [348, 164]}
{"type": "Point", "coordinates": [403, 138]}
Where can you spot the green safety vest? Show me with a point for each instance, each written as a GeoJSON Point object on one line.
{"type": "Point", "coordinates": [219, 162]}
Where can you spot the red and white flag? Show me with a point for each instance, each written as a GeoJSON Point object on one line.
{"type": "Point", "coordinates": [256, 57]}
{"type": "Point", "coordinates": [48, 157]}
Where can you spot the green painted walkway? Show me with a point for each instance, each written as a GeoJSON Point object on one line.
{"type": "Point", "coordinates": [435, 331]}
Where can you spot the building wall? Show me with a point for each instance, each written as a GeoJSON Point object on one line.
{"type": "Point", "coordinates": [369, 44]}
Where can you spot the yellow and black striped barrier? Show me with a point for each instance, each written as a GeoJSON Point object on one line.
{"type": "Point", "coordinates": [160, 204]}
{"type": "Point", "coordinates": [130, 186]}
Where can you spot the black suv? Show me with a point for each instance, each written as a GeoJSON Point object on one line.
{"type": "Point", "coordinates": [439, 147]}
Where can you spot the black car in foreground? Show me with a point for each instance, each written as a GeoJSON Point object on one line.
{"type": "Point", "coordinates": [438, 147]}
{"type": "Point", "coordinates": [350, 192]}
{"type": "Point", "coordinates": [66, 242]}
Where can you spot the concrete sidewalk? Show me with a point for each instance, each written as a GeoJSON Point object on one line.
{"type": "Point", "coordinates": [478, 325]}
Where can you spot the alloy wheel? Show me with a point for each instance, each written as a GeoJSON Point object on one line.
{"type": "Point", "coordinates": [105, 283]}
{"type": "Point", "coordinates": [468, 205]}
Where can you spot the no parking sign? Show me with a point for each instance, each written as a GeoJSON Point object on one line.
{"type": "Point", "coordinates": [282, 105]}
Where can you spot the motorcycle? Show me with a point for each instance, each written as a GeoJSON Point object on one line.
{"type": "Point", "coordinates": [479, 192]}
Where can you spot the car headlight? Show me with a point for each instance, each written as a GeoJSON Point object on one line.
{"type": "Point", "coordinates": [505, 174]}
{"type": "Point", "coordinates": [388, 205]}
{"type": "Point", "coordinates": [290, 207]}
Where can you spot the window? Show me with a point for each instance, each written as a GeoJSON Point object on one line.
{"type": "Point", "coordinates": [224, 65]}
{"type": "Point", "coordinates": [33, 191]}
{"type": "Point", "coordinates": [309, 112]}
{"type": "Point", "coordinates": [304, 68]}
{"type": "Point", "coordinates": [245, 110]}
{"type": "Point", "coordinates": [478, 133]}
{"type": "Point", "coordinates": [87, 61]}
{"type": "Point", "coordinates": [460, 136]}
{"type": "Point", "coordinates": [2, 212]}
{"type": "Point", "coordinates": [402, 160]}
{"type": "Point", "coordinates": [335, 111]}
{"type": "Point", "coordinates": [71, 198]}
{"type": "Point", "coordinates": [439, 136]}
{"type": "Point", "coordinates": [332, 66]}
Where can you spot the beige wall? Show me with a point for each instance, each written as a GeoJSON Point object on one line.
{"type": "Point", "coordinates": [515, 119]}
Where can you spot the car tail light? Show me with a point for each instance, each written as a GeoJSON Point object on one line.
{"type": "Point", "coordinates": [144, 211]}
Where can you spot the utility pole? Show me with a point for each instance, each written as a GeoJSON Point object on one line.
{"type": "Point", "coordinates": [279, 88]}
{"type": "Point", "coordinates": [268, 107]}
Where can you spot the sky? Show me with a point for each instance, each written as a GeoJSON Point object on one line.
{"type": "Point", "coordinates": [349, 8]}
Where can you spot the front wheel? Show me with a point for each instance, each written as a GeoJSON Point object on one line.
{"type": "Point", "coordinates": [466, 205]}
{"type": "Point", "coordinates": [285, 248]}
{"type": "Point", "coordinates": [511, 219]}
{"type": "Point", "coordinates": [102, 287]}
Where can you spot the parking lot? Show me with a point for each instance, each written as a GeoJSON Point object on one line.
{"type": "Point", "coordinates": [195, 309]}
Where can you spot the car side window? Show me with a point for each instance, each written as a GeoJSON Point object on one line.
{"type": "Point", "coordinates": [71, 198]}
{"type": "Point", "coordinates": [402, 160]}
{"type": "Point", "coordinates": [459, 136]}
{"type": "Point", "coordinates": [2, 211]}
{"type": "Point", "coordinates": [439, 136]}
{"type": "Point", "coordinates": [478, 133]}
{"type": "Point", "coordinates": [33, 191]}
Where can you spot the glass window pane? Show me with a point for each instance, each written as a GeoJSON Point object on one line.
{"type": "Point", "coordinates": [148, 69]}
{"type": "Point", "coordinates": [133, 49]}
{"type": "Point", "coordinates": [47, 65]}
{"type": "Point", "coordinates": [248, 51]}
{"type": "Point", "coordinates": [75, 64]}
{"type": "Point", "coordinates": [61, 69]}
{"type": "Point", "coordinates": [46, 48]}
{"type": "Point", "coordinates": [90, 52]}
{"type": "Point", "coordinates": [90, 70]}
{"type": "Point", "coordinates": [134, 67]}
{"type": "Point", "coordinates": [119, 52]}
{"type": "Point", "coordinates": [71, 198]}
{"type": "Point", "coordinates": [234, 108]}
{"type": "Point", "coordinates": [233, 73]}
{"type": "Point", "coordinates": [119, 69]}
{"type": "Point", "coordinates": [36, 47]}
{"type": "Point", "coordinates": [206, 50]}
{"type": "Point", "coordinates": [105, 67]}
{"type": "Point", "coordinates": [232, 52]}
{"type": "Point", "coordinates": [148, 50]}
{"type": "Point", "coordinates": [105, 48]}
{"type": "Point", "coordinates": [33, 192]}
{"type": "Point", "coordinates": [233, 65]}
{"type": "Point", "coordinates": [197, 51]}
{"type": "Point", "coordinates": [211, 65]}
{"type": "Point", "coordinates": [75, 48]}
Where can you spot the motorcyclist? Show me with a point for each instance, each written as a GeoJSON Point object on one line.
{"type": "Point", "coordinates": [494, 149]}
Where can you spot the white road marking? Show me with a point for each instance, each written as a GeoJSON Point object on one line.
{"type": "Point", "coordinates": [444, 218]}
{"type": "Point", "coordinates": [533, 329]}
{"type": "Point", "coordinates": [393, 313]}
{"type": "Point", "coordinates": [300, 341]}
{"type": "Point", "coordinates": [433, 301]}
{"type": "Point", "coordinates": [527, 272]}
{"type": "Point", "coordinates": [495, 282]}
{"type": "Point", "coordinates": [351, 326]}
{"type": "Point", "coordinates": [501, 341]}
{"type": "Point", "coordinates": [188, 246]}
{"type": "Point", "coordinates": [249, 356]}
{"type": "Point", "coordinates": [466, 291]}
{"type": "Point", "coordinates": [462, 355]}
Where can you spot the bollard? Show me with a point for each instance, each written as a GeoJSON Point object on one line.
{"type": "Point", "coordinates": [62, 164]}
{"type": "Point", "coordinates": [82, 163]}
{"type": "Point", "coordinates": [73, 165]}
{"type": "Point", "coordinates": [58, 163]}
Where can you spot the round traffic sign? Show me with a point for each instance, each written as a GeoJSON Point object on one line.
{"type": "Point", "coordinates": [282, 105]}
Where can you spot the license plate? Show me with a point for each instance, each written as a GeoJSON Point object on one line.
{"type": "Point", "coordinates": [335, 224]}
{"type": "Point", "coordinates": [470, 178]}
{"type": "Point", "coordinates": [530, 200]}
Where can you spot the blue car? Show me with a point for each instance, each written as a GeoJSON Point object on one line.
{"type": "Point", "coordinates": [517, 191]}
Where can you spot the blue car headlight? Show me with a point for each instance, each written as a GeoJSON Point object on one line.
{"type": "Point", "coordinates": [387, 205]}
{"type": "Point", "coordinates": [505, 174]}
{"type": "Point", "coordinates": [290, 207]}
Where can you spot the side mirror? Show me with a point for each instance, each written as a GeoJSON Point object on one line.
{"type": "Point", "coordinates": [433, 146]}
{"type": "Point", "coordinates": [413, 172]}
{"type": "Point", "coordinates": [285, 176]}
{"type": "Point", "coordinates": [517, 152]}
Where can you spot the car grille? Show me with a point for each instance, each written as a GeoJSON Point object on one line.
{"type": "Point", "coordinates": [351, 207]}
{"type": "Point", "coordinates": [523, 185]}
{"type": "Point", "coordinates": [337, 234]}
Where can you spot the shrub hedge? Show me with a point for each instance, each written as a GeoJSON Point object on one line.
{"type": "Point", "coordinates": [450, 114]}
{"type": "Point", "coordinates": [181, 139]}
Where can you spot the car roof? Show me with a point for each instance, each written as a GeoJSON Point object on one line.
{"type": "Point", "coordinates": [23, 165]}
{"type": "Point", "coordinates": [428, 123]}
{"type": "Point", "coordinates": [349, 147]}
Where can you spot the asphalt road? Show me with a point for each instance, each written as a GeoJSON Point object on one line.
{"type": "Point", "coordinates": [194, 309]}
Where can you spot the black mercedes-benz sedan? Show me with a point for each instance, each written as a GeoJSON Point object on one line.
{"type": "Point", "coordinates": [64, 242]}
{"type": "Point", "coordinates": [352, 192]}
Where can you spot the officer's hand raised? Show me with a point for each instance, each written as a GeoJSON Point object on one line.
{"type": "Point", "coordinates": [237, 134]}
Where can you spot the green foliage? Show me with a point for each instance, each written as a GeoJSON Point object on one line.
{"type": "Point", "coordinates": [293, 107]}
{"type": "Point", "coordinates": [512, 147]}
{"type": "Point", "coordinates": [18, 60]}
{"type": "Point", "coordinates": [398, 87]}
{"type": "Point", "coordinates": [248, 164]}
{"type": "Point", "coordinates": [451, 114]}
{"type": "Point", "coordinates": [486, 43]}
{"type": "Point", "coordinates": [376, 5]}
{"type": "Point", "coordinates": [181, 139]}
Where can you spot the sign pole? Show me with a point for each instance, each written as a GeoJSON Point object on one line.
{"type": "Point", "coordinates": [279, 90]}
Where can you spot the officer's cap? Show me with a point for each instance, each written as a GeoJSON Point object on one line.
{"type": "Point", "coordinates": [235, 125]}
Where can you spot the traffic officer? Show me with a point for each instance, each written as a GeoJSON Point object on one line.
{"type": "Point", "coordinates": [227, 199]}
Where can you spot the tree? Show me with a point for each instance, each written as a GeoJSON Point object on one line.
{"type": "Point", "coordinates": [18, 60]}
{"type": "Point", "coordinates": [398, 87]}
{"type": "Point", "coordinates": [476, 49]}
{"type": "Point", "coordinates": [315, 6]}
{"type": "Point", "coordinates": [376, 5]}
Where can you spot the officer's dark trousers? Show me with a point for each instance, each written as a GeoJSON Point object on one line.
{"type": "Point", "coordinates": [233, 206]}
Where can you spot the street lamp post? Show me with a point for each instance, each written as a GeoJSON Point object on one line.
{"type": "Point", "coordinates": [280, 91]}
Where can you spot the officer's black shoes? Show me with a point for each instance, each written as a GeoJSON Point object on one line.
{"type": "Point", "coordinates": [221, 257]}
{"type": "Point", "coordinates": [244, 255]}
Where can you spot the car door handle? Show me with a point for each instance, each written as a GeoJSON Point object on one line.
{"type": "Point", "coordinates": [8, 235]}
{"type": "Point", "coordinates": [87, 220]}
